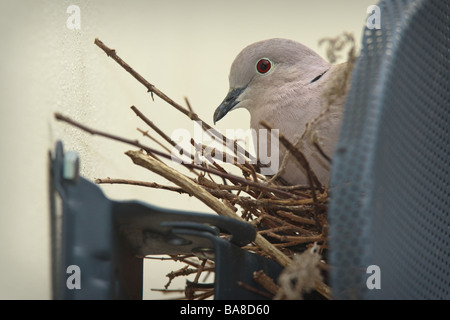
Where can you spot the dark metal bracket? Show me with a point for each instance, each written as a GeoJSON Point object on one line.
{"type": "Point", "coordinates": [105, 240]}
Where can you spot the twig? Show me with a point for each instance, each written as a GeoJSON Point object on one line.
{"type": "Point", "coordinates": [254, 290]}
{"type": "Point", "coordinates": [189, 106]}
{"type": "Point", "coordinates": [294, 206]}
{"type": "Point", "coordinates": [293, 217]}
{"type": "Point", "coordinates": [294, 187]}
{"type": "Point", "coordinates": [185, 271]}
{"type": "Point", "coordinates": [265, 281]}
{"type": "Point", "coordinates": [136, 143]}
{"type": "Point", "coordinates": [157, 258]}
{"type": "Point", "coordinates": [322, 153]}
{"type": "Point", "coordinates": [187, 259]}
{"type": "Point", "coordinates": [139, 183]}
{"type": "Point", "coordinates": [146, 134]}
{"type": "Point", "coordinates": [295, 239]}
{"type": "Point", "coordinates": [168, 290]}
{"type": "Point", "coordinates": [160, 132]}
{"type": "Point", "coordinates": [284, 224]}
{"type": "Point", "coordinates": [283, 228]}
{"type": "Point", "coordinates": [200, 270]}
{"type": "Point", "coordinates": [204, 295]}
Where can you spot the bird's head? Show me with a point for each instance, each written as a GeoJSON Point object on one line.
{"type": "Point", "coordinates": [264, 69]}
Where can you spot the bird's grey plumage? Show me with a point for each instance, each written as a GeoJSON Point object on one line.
{"type": "Point", "coordinates": [288, 97]}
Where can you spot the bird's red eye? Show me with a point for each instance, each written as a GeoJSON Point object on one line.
{"type": "Point", "coordinates": [263, 65]}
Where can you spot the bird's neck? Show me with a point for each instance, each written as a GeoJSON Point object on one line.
{"type": "Point", "coordinates": [289, 111]}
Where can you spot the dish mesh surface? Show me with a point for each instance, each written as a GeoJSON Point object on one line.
{"type": "Point", "coordinates": [390, 185]}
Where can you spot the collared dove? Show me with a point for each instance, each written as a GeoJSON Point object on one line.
{"type": "Point", "coordinates": [283, 83]}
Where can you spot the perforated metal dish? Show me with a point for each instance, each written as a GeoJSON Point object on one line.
{"type": "Point", "coordinates": [390, 184]}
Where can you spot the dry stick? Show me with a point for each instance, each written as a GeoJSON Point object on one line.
{"type": "Point", "coordinates": [145, 133]}
{"type": "Point", "coordinates": [159, 131]}
{"type": "Point", "coordinates": [223, 156]}
{"type": "Point", "coordinates": [254, 290]}
{"type": "Point", "coordinates": [152, 89]}
{"type": "Point", "coordinates": [136, 143]}
{"type": "Point", "coordinates": [282, 228]}
{"type": "Point", "coordinates": [322, 153]}
{"type": "Point", "coordinates": [265, 281]}
{"type": "Point", "coordinates": [223, 187]}
{"type": "Point", "coordinates": [188, 105]}
{"type": "Point", "coordinates": [169, 291]}
{"type": "Point", "coordinates": [295, 239]}
{"type": "Point", "coordinates": [185, 259]}
{"type": "Point", "coordinates": [204, 296]}
{"type": "Point", "coordinates": [201, 147]}
{"type": "Point", "coordinates": [262, 203]}
{"type": "Point", "coordinates": [156, 258]}
{"type": "Point", "coordinates": [287, 201]}
{"type": "Point", "coordinates": [242, 180]}
{"type": "Point", "coordinates": [139, 183]}
{"type": "Point", "coordinates": [293, 217]}
{"type": "Point", "coordinates": [153, 126]}
{"type": "Point", "coordinates": [295, 187]}
{"type": "Point", "coordinates": [218, 191]}
{"type": "Point", "coordinates": [284, 224]}
{"type": "Point", "coordinates": [200, 270]}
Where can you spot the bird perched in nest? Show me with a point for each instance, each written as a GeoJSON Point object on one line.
{"type": "Point", "coordinates": [286, 84]}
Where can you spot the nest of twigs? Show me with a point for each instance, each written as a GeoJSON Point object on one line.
{"type": "Point", "coordinates": [291, 221]}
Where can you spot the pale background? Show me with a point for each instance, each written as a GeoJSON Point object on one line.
{"type": "Point", "coordinates": [185, 48]}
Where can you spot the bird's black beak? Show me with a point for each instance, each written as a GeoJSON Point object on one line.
{"type": "Point", "coordinates": [227, 104]}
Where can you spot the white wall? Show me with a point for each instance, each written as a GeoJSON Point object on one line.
{"type": "Point", "coordinates": [185, 48]}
